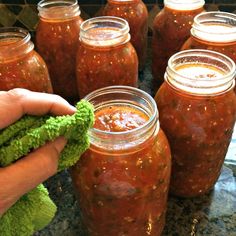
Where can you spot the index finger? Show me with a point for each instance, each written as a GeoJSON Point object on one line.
{"type": "Point", "coordinates": [17, 102]}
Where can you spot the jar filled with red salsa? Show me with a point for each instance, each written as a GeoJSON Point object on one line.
{"type": "Point", "coordinates": [171, 28]}
{"type": "Point", "coordinates": [57, 39]}
{"type": "Point", "coordinates": [214, 31]}
{"type": "Point", "coordinates": [197, 107]}
{"type": "Point", "coordinates": [122, 181]}
{"type": "Point", "coordinates": [105, 56]}
{"type": "Point", "coordinates": [20, 65]}
{"type": "Point", "coordinates": [136, 13]}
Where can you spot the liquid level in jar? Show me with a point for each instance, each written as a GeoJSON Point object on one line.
{"type": "Point", "coordinates": [199, 71]}
{"type": "Point", "coordinates": [124, 192]}
{"type": "Point", "coordinates": [119, 118]}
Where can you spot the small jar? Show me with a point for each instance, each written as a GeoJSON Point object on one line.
{"type": "Point", "coordinates": [136, 13]}
{"type": "Point", "coordinates": [197, 107]}
{"type": "Point", "coordinates": [122, 180]}
{"type": "Point", "coordinates": [57, 39]}
{"type": "Point", "coordinates": [105, 56]}
{"type": "Point", "coordinates": [171, 28]}
{"type": "Point", "coordinates": [214, 31]}
{"type": "Point", "coordinates": [20, 65]}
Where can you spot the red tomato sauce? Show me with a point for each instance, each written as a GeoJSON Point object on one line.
{"type": "Point", "coordinates": [57, 41]}
{"type": "Point", "coordinates": [103, 65]}
{"type": "Point", "coordinates": [124, 192]}
{"type": "Point", "coordinates": [171, 28]}
{"type": "Point", "coordinates": [22, 69]}
{"type": "Point", "coordinates": [199, 130]}
{"type": "Point", "coordinates": [135, 12]}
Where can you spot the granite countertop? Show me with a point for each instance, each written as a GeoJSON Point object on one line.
{"type": "Point", "coordinates": [213, 214]}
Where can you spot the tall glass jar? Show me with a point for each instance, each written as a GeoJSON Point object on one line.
{"type": "Point", "coordinates": [171, 28]}
{"type": "Point", "coordinates": [214, 31]}
{"type": "Point", "coordinates": [105, 56]}
{"type": "Point", "coordinates": [136, 13]}
{"type": "Point", "coordinates": [197, 107]}
{"type": "Point", "coordinates": [20, 65]}
{"type": "Point", "coordinates": [122, 181]}
{"type": "Point", "coordinates": [57, 39]}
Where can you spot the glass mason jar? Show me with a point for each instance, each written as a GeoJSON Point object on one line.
{"type": "Point", "coordinates": [214, 31]}
{"type": "Point", "coordinates": [57, 39]}
{"type": "Point", "coordinates": [105, 56]}
{"type": "Point", "coordinates": [171, 28]}
{"type": "Point", "coordinates": [136, 13]}
{"type": "Point", "coordinates": [197, 107]}
{"type": "Point", "coordinates": [122, 180]}
{"type": "Point", "coordinates": [20, 65]}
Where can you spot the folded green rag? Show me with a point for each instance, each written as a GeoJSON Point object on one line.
{"type": "Point", "coordinates": [35, 210]}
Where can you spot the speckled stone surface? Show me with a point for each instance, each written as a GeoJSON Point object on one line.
{"type": "Point", "coordinates": [213, 214]}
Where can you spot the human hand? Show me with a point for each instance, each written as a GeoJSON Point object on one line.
{"type": "Point", "coordinates": [25, 174]}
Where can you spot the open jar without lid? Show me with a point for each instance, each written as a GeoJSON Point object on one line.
{"type": "Point", "coordinates": [197, 108]}
{"type": "Point", "coordinates": [106, 57]}
{"type": "Point", "coordinates": [127, 165]}
{"type": "Point", "coordinates": [20, 65]}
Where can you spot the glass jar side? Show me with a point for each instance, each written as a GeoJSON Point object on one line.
{"type": "Point", "coordinates": [20, 65]}
{"type": "Point", "coordinates": [198, 121]}
{"type": "Point", "coordinates": [105, 57]}
{"type": "Point", "coordinates": [136, 13]}
{"type": "Point", "coordinates": [138, 165]}
{"type": "Point", "coordinates": [58, 32]}
{"type": "Point", "coordinates": [171, 28]}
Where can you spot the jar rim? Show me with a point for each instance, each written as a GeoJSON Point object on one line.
{"type": "Point", "coordinates": [15, 32]}
{"type": "Point", "coordinates": [202, 86]}
{"type": "Point", "coordinates": [66, 8]}
{"type": "Point", "coordinates": [124, 90]}
{"type": "Point", "coordinates": [184, 5]}
{"type": "Point", "coordinates": [205, 23]}
{"type": "Point", "coordinates": [119, 25]}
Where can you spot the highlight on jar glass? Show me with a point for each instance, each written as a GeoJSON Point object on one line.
{"type": "Point", "coordinates": [20, 65]}
{"type": "Point", "coordinates": [105, 56]}
{"type": "Point", "coordinates": [57, 40]}
{"type": "Point", "coordinates": [171, 28]}
{"type": "Point", "coordinates": [122, 180]}
{"type": "Point", "coordinates": [136, 13]}
{"type": "Point", "coordinates": [214, 31]}
{"type": "Point", "coordinates": [197, 108]}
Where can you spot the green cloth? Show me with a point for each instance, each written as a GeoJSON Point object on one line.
{"type": "Point", "coordinates": [35, 210]}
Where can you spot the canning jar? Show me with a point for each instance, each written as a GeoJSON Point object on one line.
{"type": "Point", "coordinates": [57, 39]}
{"type": "Point", "coordinates": [105, 56]}
{"type": "Point", "coordinates": [122, 180]}
{"type": "Point", "coordinates": [197, 107]}
{"type": "Point", "coordinates": [214, 31]}
{"type": "Point", "coordinates": [171, 28]}
{"type": "Point", "coordinates": [20, 65]}
{"type": "Point", "coordinates": [135, 12]}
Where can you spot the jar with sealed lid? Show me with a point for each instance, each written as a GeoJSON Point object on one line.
{"type": "Point", "coordinates": [136, 13]}
{"type": "Point", "coordinates": [197, 107]}
{"type": "Point", "coordinates": [20, 65]}
{"type": "Point", "coordinates": [105, 56]}
{"type": "Point", "coordinates": [57, 39]}
{"type": "Point", "coordinates": [214, 31]}
{"type": "Point", "coordinates": [171, 28]}
{"type": "Point", "coordinates": [122, 180]}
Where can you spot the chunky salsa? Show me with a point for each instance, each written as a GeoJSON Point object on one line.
{"type": "Point", "coordinates": [124, 191]}
{"type": "Point", "coordinates": [135, 12]}
{"type": "Point", "coordinates": [171, 28]}
{"type": "Point", "coordinates": [57, 42]}
{"type": "Point", "coordinates": [22, 67]}
{"type": "Point", "coordinates": [104, 64]}
{"type": "Point", "coordinates": [199, 130]}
